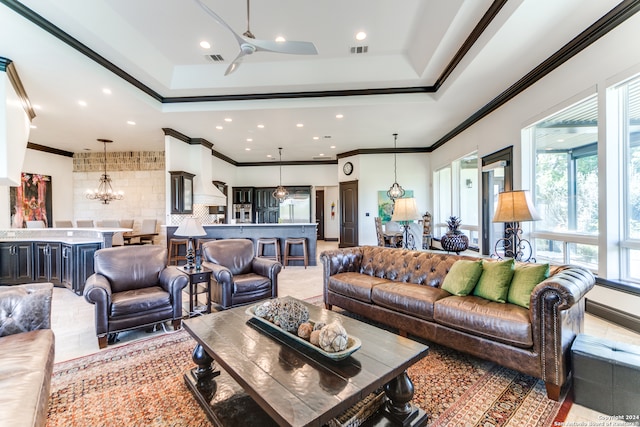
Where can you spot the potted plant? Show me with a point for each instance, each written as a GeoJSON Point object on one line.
{"type": "Point", "coordinates": [454, 240]}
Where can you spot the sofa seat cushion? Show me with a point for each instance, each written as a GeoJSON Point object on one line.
{"type": "Point", "coordinates": [136, 301]}
{"type": "Point", "coordinates": [507, 323]}
{"type": "Point", "coordinates": [354, 285]}
{"type": "Point", "coordinates": [250, 282]}
{"type": "Point", "coordinates": [26, 365]}
{"type": "Point", "coordinates": [414, 300]}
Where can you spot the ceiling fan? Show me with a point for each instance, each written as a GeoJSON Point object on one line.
{"type": "Point", "coordinates": [249, 44]}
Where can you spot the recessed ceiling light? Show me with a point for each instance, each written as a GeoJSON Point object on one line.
{"type": "Point", "coordinates": [131, 122]}
{"type": "Point", "coordinates": [339, 116]}
{"type": "Point", "coordinates": [316, 138]}
{"type": "Point", "coordinates": [299, 125]}
{"type": "Point", "coordinates": [333, 146]}
{"type": "Point", "coordinates": [205, 44]}
{"type": "Point", "coordinates": [269, 156]}
{"type": "Point", "coordinates": [247, 149]}
{"type": "Point", "coordinates": [219, 127]}
{"type": "Point", "coordinates": [280, 39]}
{"type": "Point", "coordinates": [261, 126]}
{"type": "Point", "coordinates": [33, 126]}
{"type": "Point", "coordinates": [361, 36]}
{"type": "Point", "coordinates": [249, 139]}
{"type": "Point", "coordinates": [37, 106]}
{"type": "Point", "coordinates": [560, 140]}
{"type": "Point", "coordinates": [82, 103]}
{"type": "Point", "coordinates": [106, 91]}
{"type": "Point", "coordinates": [321, 154]}
{"type": "Point", "coordinates": [228, 119]}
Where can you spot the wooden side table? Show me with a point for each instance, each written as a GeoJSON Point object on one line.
{"type": "Point", "coordinates": [196, 277]}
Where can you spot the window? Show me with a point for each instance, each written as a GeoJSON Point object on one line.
{"type": "Point", "coordinates": [566, 185]}
{"type": "Point", "coordinates": [628, 95]}
{"type": "Point", "coordinates": [456, 194]}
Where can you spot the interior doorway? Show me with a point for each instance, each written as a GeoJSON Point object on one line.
{"type": "Point", "coordinates": [497, 176]}
{"type": "Point", "coordinates": [348, 214]}
{"type": "Point", "coordinates": [320, 214]}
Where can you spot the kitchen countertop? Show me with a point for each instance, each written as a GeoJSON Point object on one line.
{"type": "Point", "coordinates": [72, 236]}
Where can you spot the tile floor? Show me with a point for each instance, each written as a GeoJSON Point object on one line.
{"type": "Point", "coordinates": [73, 322]}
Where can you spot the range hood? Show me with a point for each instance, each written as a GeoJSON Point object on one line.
{"type": "Point", "coordinates": [205, 193]}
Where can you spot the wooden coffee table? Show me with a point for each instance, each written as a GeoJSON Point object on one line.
{"type": "Point", "coordinates": [266, 378]}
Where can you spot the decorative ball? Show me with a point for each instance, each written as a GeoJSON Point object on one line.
{"type": "Point", "coordinates": [318, 326]}
{"type": "Point", "coordinates": [333, 337]}
{"type": "Point", "coordinates": [268, 310]}
{"type": "Point", "coordinates": [304, 330]}
{"type": "Point", "coordinates": [291, 314]}
{"type": "Point", "coordinates": [314, 338]}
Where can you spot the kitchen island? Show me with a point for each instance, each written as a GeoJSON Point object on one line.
{"type": "Point", "coordinates": [255, 231]}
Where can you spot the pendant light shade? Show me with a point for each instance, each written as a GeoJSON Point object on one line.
{"type": "Point", "coordinates": [280, 192]}
{"type": "Point", "coordinates": [104, 193]}
{"type": "Point", "coordinates": [396, 191]}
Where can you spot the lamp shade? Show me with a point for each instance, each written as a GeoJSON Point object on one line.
{"type": "Point", "coordinates": [515, 206]}
{"type": "Point", "coordinates": [405, 210]}
{"type": "Point", "coordinates": [190, 227]}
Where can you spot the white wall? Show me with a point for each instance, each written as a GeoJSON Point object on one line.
{"type": "Point", "coordinates": [606, 61]}
{"type": "Point", "coordinates": [14, 132]}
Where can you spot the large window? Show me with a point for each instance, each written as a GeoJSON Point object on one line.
{"type": "Point", "coordinates": [566, 185]}
{"type": "Point", "coordinates": [628, 96]}
{"type": "Point", "coordinates": [456, 194]}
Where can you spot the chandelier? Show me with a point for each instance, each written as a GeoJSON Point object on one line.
{"type": "Point", "coordinates": [280, 192]}
{"type": "Point", "coordinates": [395, 191]}
{"type": "Point", "coordinates": [104, 192]}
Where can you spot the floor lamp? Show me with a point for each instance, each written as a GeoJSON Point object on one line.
{"type": "Point", "coordinates": [513, 208]}
{"type": "Point", "coordinates": [190, 228]}
{"type": "Point", "coordinates": [405, 211]}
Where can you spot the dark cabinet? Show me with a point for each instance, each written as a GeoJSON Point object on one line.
{"type": "Point", "coordinates": [243, 195]}
{"type": "Point", "coordinates": [181, 192]}
{"type": "Point", "coordinates": [66, 266]}
{"type": "Point", "coordinates": [47, 262]}
{"type": "Point", "coordinates": [82, 265]}
{"type": "Point", "coordinates": [16, 263]}
{"type": "Point", "coordinates": [267, 207]}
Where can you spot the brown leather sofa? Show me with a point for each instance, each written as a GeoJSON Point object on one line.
{"type": "Point", "coordinates": [27, 348]}
{"type": "Point", "coordinates": [133, 287]}
{"type": "Point", "coordinates": [239, 277]}
{"type": "Point", "coordinates": [401, 289]}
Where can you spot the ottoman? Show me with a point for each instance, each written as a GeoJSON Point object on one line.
{"type": "Point", "coordinates": [606, 375]}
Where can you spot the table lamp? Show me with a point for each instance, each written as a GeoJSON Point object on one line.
{"type": "Point", "coordinates": [190, 228]}
{"type": "Point", "coordinates": [404, 212]}
{"type": "Point", "coordinates": [514, 207]}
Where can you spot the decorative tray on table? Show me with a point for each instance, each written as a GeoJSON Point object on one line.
{"type": "Point", "coordinates": [353, 343]}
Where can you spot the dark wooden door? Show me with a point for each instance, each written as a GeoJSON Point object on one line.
{"type": "Point", "coordinates": [348, 214]}
{"type": "Point", "coordinates": [320, 213]}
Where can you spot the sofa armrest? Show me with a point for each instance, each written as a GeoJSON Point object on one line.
{"type": "Point", "coordinates": [557, 316]}
{"type": "Point", "coordinates": [339, 261]}
{"type": "Point", "coordinates": [25, 308]}
{"type": "Point", "coordinates": [97, 291]}
{"type": "Point", "coordinates": [174, 281]}
{"type": "Point", "coordinates": [268, 268]}
{"type": "Point", "coordinates": [221, 276]}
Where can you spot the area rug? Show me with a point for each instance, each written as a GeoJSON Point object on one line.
{"type": "Point", "coordinates": [141, 384]}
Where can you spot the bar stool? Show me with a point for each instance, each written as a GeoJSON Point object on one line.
{"type": "Point", "coordinates": [264, 241]}
{"type": "Point", "coordinates": [288, 242]}
{"type": "Point", "coordinates": [174, 251]}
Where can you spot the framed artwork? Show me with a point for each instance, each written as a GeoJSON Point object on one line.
{"type": "Point", "coordinates": [385, 206]}
{"type": "Point", "coordinates": [31, 201]}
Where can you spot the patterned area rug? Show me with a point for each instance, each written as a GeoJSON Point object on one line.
{"type": "Point", "coordinates": [141, 384]}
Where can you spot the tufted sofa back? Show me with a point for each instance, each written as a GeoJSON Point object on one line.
{"type": "Point", "coordinates": [399, 265]}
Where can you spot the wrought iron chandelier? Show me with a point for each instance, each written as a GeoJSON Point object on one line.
{"type": "Point", "coordinates": [395, 191]}
{"type": "Point", "coordinates": [280, 192]}
{"type": "Point", "coordinates": [104, 192]}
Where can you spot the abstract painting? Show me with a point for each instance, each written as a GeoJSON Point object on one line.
{"type": "Point", "coordinates": [32, 201]}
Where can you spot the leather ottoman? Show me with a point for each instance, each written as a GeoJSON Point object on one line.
{"type": "Point", "coordinates": [606, 375]}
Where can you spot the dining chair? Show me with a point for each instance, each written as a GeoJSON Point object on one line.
{"type": "Point", "coordinates": [35, 224]}
{"type": "Point", "coordinates": [109, 223]}
{"type": "Point", "coordinates": [126, 223]}
{"type": "Point", "coordinates": [84, 223]}
{"type": "Point", "coordinates": [148, 226]}
{"type": "Point", "coordinates": [64, 224]}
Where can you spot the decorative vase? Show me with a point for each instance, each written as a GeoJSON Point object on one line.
{"type": "Point", "coordinates": [452, 242]}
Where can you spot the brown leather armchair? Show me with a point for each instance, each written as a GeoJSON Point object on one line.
{"type": "Point", "coordinates": [239, 277]}
{"type": "Point", "coordinates": [132, 287]}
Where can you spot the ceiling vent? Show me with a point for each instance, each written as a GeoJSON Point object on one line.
{"type": "Point", "coordinates": [359, 49]}
{"type": "Point", "coordinates": [214, 58]}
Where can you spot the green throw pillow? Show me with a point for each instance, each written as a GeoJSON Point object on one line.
{"type": "Point", "coordinates": [462, 277]}
{"type": "Point", "coordinates": [525, 278]}
{"type": "Point", "coordinates": [494, 281]}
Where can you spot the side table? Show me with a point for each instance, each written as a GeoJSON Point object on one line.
{"type": "Point", "coordinates": [196, 277]}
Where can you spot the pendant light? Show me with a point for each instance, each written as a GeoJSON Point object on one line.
{"type": "Point", "coordinates": [280, 192]}
{"type": "Point", "coordinates": [395, 191]}
{"type": "Point", "coordinates": [104, 193]}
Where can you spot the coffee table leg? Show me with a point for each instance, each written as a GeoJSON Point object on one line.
{"type": "Point", "coordinates": [399, 408]}
{"type": "Point", "coordinates": [204, 362]}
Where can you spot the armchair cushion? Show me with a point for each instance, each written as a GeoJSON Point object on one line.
{"type": "Point", "coordinates": [139, 300]}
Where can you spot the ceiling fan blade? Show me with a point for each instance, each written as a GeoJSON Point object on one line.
{"type": "Point", "coordinates": [290, 47]}
{"type": "Point", "coordinates": [220, 21]}
{"type": "Point", "coordinates": [235, 64]}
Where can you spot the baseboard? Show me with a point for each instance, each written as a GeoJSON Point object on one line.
{"type": "Point", "coordinates": [605, 312]}
{"type": "Point", "coordinates": [331, 239]}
